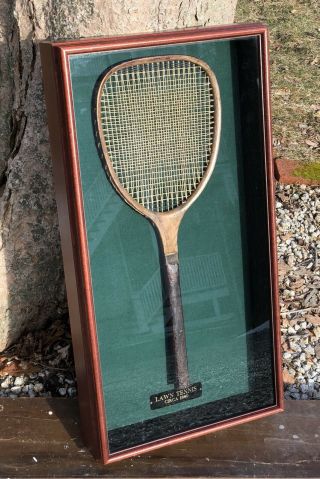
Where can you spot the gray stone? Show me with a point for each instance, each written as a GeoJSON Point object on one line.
{"type": "Point", "coordinates": [31, 275]}
{"type": "Point", "coordinates": [19, 381]}
{"type": "Point", "coordinates": [5, 384]}
{"type": "Point", "coordinates": [302, 357]}
{"type": "Point", "coordinates": [69, 381]}
{"type": "Point", "coordinates": [38, 387]}
{"type": "Point", "coordinates": [62, 391]}
{"type": "Point", "coordinates": [16, 390]}
{"type": "Point", "coordinates": [310, 350]}
{"type": "Point", "coordinates": [72, 391]}
{"type": "Point", "coordinates": [304, 388]}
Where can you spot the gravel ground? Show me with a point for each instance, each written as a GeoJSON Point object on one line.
{"type": "Point", "coordinates": [298, 222]}
{"type": "Point", "coordinates": [41, 364]}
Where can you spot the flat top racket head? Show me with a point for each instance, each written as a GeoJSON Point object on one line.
{"type": "Point", "coordinates": [159, 126]}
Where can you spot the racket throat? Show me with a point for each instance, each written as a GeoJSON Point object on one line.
{"type": "Point", "coordinates": [167, 228]}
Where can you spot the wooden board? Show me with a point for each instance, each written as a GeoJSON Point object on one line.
{"type": "Point", "coordinates": [41, 438]}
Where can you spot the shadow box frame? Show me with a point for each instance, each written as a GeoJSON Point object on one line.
{"type": "Point", "coordinates": [55, 58]}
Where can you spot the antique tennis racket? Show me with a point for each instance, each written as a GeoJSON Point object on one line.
{"type": "Point", "coordinates": [159, 121]}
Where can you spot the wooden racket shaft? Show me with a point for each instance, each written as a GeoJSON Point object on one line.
{"type": "Point", "coordinates": [158, 121]}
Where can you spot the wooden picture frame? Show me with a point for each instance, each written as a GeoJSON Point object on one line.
{"type": "Point", "coordinates": [55, 57]}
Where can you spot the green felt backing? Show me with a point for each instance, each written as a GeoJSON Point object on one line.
{"type": "Point", "coordinates": [124, 261]}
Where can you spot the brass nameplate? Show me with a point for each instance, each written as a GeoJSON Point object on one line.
{"type": "Point", "coordinates": [175, 396]}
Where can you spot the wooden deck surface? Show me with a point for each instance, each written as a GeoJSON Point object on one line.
{"type": "Point", "coordinates": [40, 438]}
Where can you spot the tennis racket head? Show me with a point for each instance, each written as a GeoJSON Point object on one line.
{"type": "Point", "coordinates": [159, 121]}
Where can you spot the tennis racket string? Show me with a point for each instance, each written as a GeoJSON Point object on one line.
{"type": "Point", "coordinates": [157, 120]}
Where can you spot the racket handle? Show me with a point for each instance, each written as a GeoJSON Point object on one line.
{"type": "Point", "coordinates": [175, 317]}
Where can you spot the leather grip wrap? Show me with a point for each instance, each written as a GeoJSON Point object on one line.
{"type": "Point", "coordinates": [173, 293]}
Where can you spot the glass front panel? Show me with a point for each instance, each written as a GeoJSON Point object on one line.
{"type": "Point", "coordinates": [224, 265]}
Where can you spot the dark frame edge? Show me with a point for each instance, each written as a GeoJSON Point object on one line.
{"type": "Point", "coordinates": [64, 192]}
{"type": "Point", "coordinates": [164, 37]}
{"type": "Point", "coordinates": [270, 188]}
{"type": "Point", "coordinates": [193, 434]}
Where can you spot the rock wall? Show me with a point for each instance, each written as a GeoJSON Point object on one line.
{"type": "Point", "coordinates": [31, 273]}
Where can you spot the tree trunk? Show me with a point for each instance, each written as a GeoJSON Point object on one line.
{"type": "Point", "coordinates": [31, 274]}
